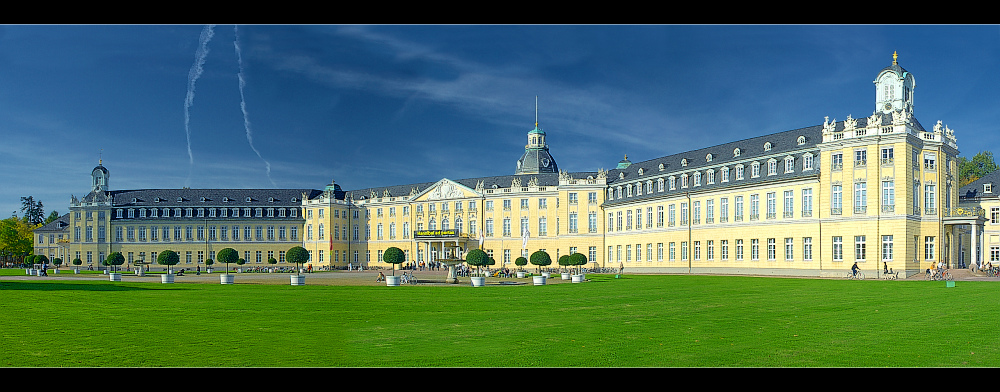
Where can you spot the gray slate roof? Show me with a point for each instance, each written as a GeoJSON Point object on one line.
{"type": "Point", "coordinates": [60, 224]}
{"type": "Point", "coordinates": [212, 197]}
{"type": "Point", "coordinates": [975, 189]}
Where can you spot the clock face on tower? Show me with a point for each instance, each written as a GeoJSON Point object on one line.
{"type": "Point", "coordinates": [888, 106]}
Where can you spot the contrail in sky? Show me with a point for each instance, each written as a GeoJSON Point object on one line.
{"type": "Point", "coordinates": [193, 75]}
{"type": "Point", "coordinates": [243, 105]}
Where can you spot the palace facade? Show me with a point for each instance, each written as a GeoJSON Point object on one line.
{"type": "Point", "coordinates": [880, 191]}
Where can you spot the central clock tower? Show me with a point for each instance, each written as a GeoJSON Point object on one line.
{"type": "Point", "coordinates": [894, 89]}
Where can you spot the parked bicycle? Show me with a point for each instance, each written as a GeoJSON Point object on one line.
{"type": "Point", "coordinates": [939, 275]}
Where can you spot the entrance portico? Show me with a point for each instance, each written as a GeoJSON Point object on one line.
{"type": "Point", "coordinates": [434, 245]}
{"type": "Point", "coordinates": [976, 220]}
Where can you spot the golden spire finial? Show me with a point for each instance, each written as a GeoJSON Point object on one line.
{"type": "Point", "coordinates": [894, 55]}
{"type": "Point", "coordinates": [626, 157]}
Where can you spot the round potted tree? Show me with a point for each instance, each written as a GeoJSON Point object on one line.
{"type": "Point", "coordinates": [112, 261]}
{"type": "Point", "coordinates": [56, 262]}
{"type": "Point", "coordinates": [540, 259]}
{"type": "Point", "coordinates": [520, 262]}
{"type": "Point", "coordinates": [29, 265]}
{"type": "Point", "coordinates": [77, 263]}
{"type": "Point", "coordinates": [578, 260]}
{"type": "Point", "coordinates": [477, 258]}
{"type": "Point", "coordinates": [297, 255]}
{"type": "Point", "coordinates": [565, 263]}
{"type": "Point", "coordinates": [272, 261]}
{"type": "Point", "coordinates": [227, 256]}
{"type": "Point", "coordinates": [41, 260]}
{"type": "Point", "coordinates": [167, 258]}
{"type": "Point", "coordinates": [393, 256]}
{"type": "Point", "coordinates": [208, 265]}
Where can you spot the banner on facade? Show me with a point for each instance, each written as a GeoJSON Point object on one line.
{"type": "Point", "coordinates": [434, 233]}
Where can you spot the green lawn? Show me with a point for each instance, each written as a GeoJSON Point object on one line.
{"type": "Point", "coordinates": [636, 321]}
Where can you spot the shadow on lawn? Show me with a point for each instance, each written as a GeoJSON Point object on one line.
{"type": "Point", "coordinates": [53, 286]}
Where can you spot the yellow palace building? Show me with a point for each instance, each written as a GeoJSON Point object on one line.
{"type": "Point", "coordinates": [880, 191]}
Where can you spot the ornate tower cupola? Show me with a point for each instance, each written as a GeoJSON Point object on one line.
{"type": "Point", "coordinates": [536, 158]}
{"type": "Point", "coordinates": [99, 178]}
{"type": "Point", "coordinates": [894, 89]}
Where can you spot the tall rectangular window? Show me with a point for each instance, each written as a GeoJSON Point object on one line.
{"type": "Point", "coordinates": [739, 249]}
{"type": "Point", "coordinates": [887, 248]}
{"type": "Point", "coordinates": [771, 205]}
{"type": "Point", "coordinates": [838, 248]}
{"type": "Point", "coordinates": [929, 196]}
{"type": "Point", "coordinates": [836, 200]}
{"type": "Point", "coordinates": [789, 204]}
{"type": "Point", "coordinates": [859, 248]}
{"type": "Point", "coordinates": [807, 204]}
{"type": "Point", "coordinates": [860, 197]}
{"type": "Point", "coordinates": [888, 195]}
{"type": "Point", "coordinates": [789, 249]}
{"type": "Point", "coordinates": [807, 248]}
{"type": "Point", "coordinates": [738, 214]}
{"type": "Point", "coordinates": [929, 248]}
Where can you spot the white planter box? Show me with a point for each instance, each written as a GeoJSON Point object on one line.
{"type": "Point", "coordinates": [565, 276]}
{"type": "Point", "coordinates": [226, 279]}
{"type": "Point", "coordinates": [520, 274]}
{"type": "Point", "coordinates": [392, 281]}
{"type": "Point", "coordinates": [167, 278]}
{"type": "Point", "coordinates": [115, 277]}
{"type": "Point", "coordinates": [577, 278]}
{"type": "Point", "coordinates": [478, 281]}
{"type": "Point", "coordinates": [546, 274]}
{"type": "Point", "coordinates": [55, 271]}
{"type": "Point", "coordinates": [538, 280]}
{"type": "Point", "coordinates": [298, 280]}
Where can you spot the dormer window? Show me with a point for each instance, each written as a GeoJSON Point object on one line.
{"type": "Point", "coordinates": [708, 158]}
{"type": "Point", "coordinates": [180, 199]}
{"type": "Point", "coordinates": [270, 200]}
{"type": "Point", "coordinates": [203, 199]}
{"type": "Point", "coordinates": [736, 152]}
{"type": "Point", "coordinates": [988, 188]}
{"type": "Point", "coordinates": [767, 146]}
{"type": "Point", "coordinates": [248, 199]}
{"type": "Point", "coordinates": [134, 200]}
{"type": "Point", "coordinates": [801, 140]}
{"type": "Point", "coordinates": [295, 200]}
{"type": "Point", "coordinates": [684, 162]}
{"type": "Point", "coordinates": [661, 167]}
{"type": "Point", "coordinates": [640, 171]}
{"type": "Point", "coordinates": [225, 200]}
{"type": "Point", "coordinates": [157, 200]}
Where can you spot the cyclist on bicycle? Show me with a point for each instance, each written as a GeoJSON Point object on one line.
{"type": "Point", "coordinates": [854, 269]}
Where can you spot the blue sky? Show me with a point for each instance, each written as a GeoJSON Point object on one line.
{"type": "Point", "coordinates": [387, 105]}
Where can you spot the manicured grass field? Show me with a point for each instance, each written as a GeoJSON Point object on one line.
{"type": "Point", "coordinates": [635, 321]}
